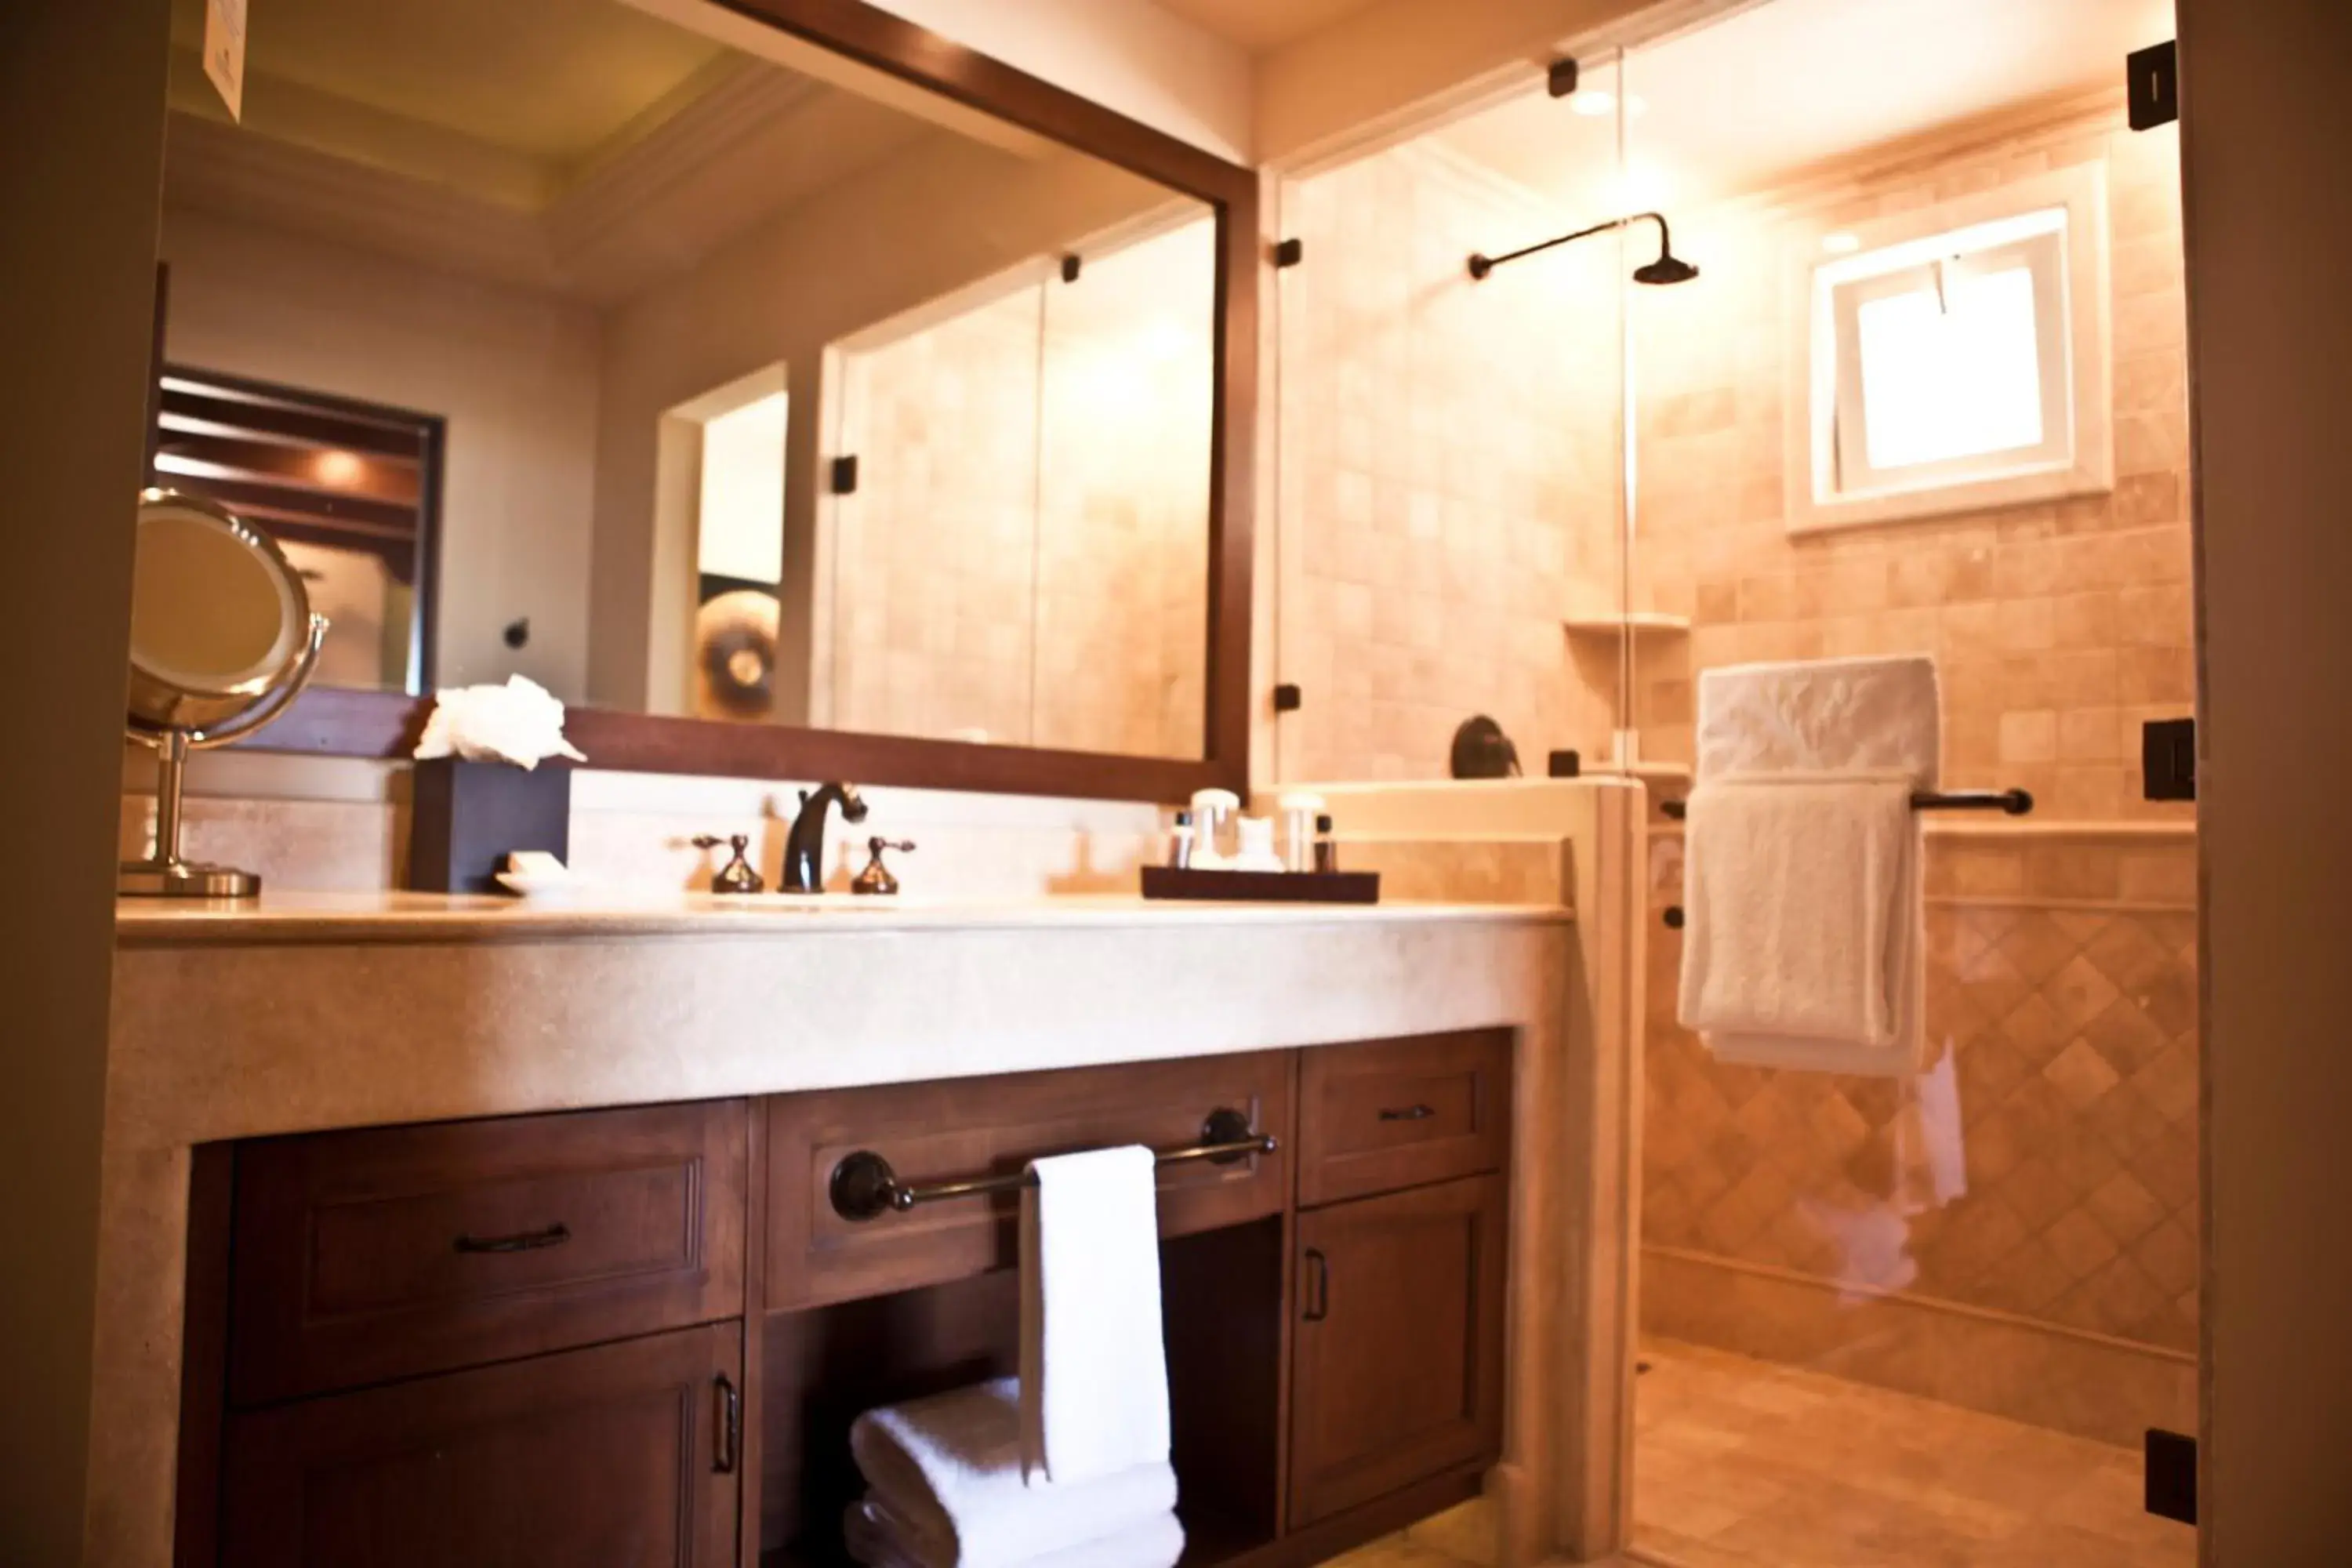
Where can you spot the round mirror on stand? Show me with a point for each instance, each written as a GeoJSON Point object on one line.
{"type": "Point", "coordinates": [222, 637]}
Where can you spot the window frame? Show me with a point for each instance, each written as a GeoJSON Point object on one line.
{"type": "Point", "coordinates": [2077, 454]}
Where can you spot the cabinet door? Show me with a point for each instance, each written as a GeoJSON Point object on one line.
{"type": "Point", "coordinates": [1399, 1351]}
{"type": "Point", "coordinates": [620, 1456]}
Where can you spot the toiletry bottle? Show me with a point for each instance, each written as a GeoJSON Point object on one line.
{"type": "Point", "coordinates": [1299, 811]}
{"type": "Point", "coordinates": [1257, 852]}
{"type": "Point", "coordinates": [1327, 848]}
{"type": "Point", "coordinates": [1180, 842]}
{"type": "Point", "coordinates": [1213, 842]}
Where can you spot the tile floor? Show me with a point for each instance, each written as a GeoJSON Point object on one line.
{"type": "Point", "coordinates": [1744, 1464]}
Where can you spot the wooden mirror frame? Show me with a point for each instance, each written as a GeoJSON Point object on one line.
{"type": "Point", "coordinates": [350, 723]}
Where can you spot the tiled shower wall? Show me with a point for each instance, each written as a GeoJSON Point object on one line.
{"type": "Point", "coordinates": [933, 589]}
{"type": "Point", "coordinates": [2063, 986]}
{"type": "Point", "coordinates": [1449, 469]}
{"type": "Point", "coordinates": [1026, 559]}
{"type": "Point", "coordinates": [1791, 1215]}
{"type": "Point", "coordinates": [2058, 629]}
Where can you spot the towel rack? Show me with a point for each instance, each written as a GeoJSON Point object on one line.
{"type": "Point", "coordinates": [864, 1187]}
{"type": "Point", "coordinates": [2008, 802]}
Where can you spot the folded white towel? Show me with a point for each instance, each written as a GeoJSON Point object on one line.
{"type": "Point", "coordinates": [1796, 891]}
{"type": "Point", "coordinates": [1846, 716]}
{"type": "Point", "coordinates": [874, 1538]}
{"type": "Point", "coordinates": [948, 1469]}
{"type": "Point", "coordinates": [1094, 1367]}
{"type": "Point", "coordinates": [1822, 716]}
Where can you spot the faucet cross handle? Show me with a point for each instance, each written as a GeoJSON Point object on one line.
{"type": "Point", "coordinates": [876, 878]}
{"type": "Point", "coordinates": [737, 876]}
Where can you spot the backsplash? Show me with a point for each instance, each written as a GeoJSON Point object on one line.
{"type": "Point", "coordinates": [342, 824]}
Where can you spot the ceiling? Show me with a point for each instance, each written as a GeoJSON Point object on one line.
{"type": "Point", "coordinates": [1258, 25]}
{"type": "Point", "coordinates": [455, 65]}
{"type": "Point", "coordinates": [1791, 83]}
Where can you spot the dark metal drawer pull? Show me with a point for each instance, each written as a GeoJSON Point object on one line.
{"type": "Point", "coordinates": [1408, 1113]}
{"type": "Point", "coordinates": [555, 1234]}
{"type": "Point", "coordinates": [730, 1424]}
{"type": "Point", "coordinates": [1318, 1306]}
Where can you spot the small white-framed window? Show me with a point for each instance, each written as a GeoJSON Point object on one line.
{"type": "Point", "coordinates": [1952, 358]}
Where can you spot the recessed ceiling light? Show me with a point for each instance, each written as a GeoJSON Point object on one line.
{"type": "Point", "coordinates": [1840, 244]}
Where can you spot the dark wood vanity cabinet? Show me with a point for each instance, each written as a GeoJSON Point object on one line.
{"type": "Point", "coordinates": [622, 1456]}
{"type": "Point", "coordinates": [1398, 1374]}
{"type": "Point", "coordinates": [638, 1337]}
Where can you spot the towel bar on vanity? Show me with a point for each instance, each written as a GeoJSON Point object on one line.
{"type": "Point", "coordinates": [2008, 802]}
{"type": "Point", "coordinates": [864, 1187]}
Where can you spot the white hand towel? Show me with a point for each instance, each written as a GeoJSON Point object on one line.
{"type": "Point", "coordinates": [1853, 716]}
{"type": "Point", "coordinates": [873, 1537]}
{"type": "Point", "coordinates": [1094, 1367]}
{"type": "Point", "coordinates": [948, 1471]}
{"type": "Point", "coordinates": [1796, 895]}
{"type": "Point", "coordinates": [1822, 716]}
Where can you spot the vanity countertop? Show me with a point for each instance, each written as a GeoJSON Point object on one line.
{"type": "Point", "coordinates": [296, 917]}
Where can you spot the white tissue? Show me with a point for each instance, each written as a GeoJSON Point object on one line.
{"type": "Point", "coordinates": [521, 722]}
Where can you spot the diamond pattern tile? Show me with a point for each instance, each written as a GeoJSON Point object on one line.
{"type": "Point", "coordinates": [2074, 1035]}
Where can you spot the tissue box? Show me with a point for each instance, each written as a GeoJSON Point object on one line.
{"type": "Point", "coordinates": [465, 819]}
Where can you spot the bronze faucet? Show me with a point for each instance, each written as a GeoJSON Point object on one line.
{"type": "Point", "coordinates": [804, 848]}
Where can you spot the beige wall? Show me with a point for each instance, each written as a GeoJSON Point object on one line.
{"type": "Point", "coordinates": [512, 369]}
{"type": "Point", "coordinates": [2058, 629]}
{"type": "Point", "coordinates": [1146, 62]}
{"type": "Point", "coordinates": [935, 217]}
{"type": "Point", "coordinates": [1449, 475]}
{"type": "Point", "coordinates": [2062, 962]}
{"type": "Point", "coordinates": [1395, 60]}
{"type": "Point", "coordinates": [2266, 118]}
{"type": "Point", "coordinates": [82, 111]}
{"type": "Point", "coordinates": [1026, 556]}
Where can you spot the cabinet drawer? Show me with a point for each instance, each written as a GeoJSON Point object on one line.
{"type": "Point", "coordinates": [949, 1130]}
{"type": "Point", "coordinates": [627, 1453]}
{"type": "Point", "coordinates": [361, 1256]}
{"type": "Point", "coordinates": [1376, 1117]}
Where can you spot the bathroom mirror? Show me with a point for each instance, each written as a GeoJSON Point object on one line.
{"type": "Point", "coordinates": [788, 390]}
{"type": "Point", "coordinates": [222, 638]}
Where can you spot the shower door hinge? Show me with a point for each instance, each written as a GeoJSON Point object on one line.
{"type": "Point", "coordinates": [843, 481]}
{"type": "Point", "coordinates": [2152, 81]}
{"type": "Point", "coordinates": [1290, 253]}
{"type": "Point", "coordinates": [2171, 1472]}
{"type": "Point", "coordinates": [1288, 699]}
{"type": "Point", "coordinates": [1072, 265]}
{"type": "Point", "coordinates": [1560, 77]}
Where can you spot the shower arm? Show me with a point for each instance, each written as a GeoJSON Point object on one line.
{"type": "Point", "coordinates": [1482, 265]}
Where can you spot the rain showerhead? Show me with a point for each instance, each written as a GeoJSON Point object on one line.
{"type": "Point", "coordinates": [1667, 268]}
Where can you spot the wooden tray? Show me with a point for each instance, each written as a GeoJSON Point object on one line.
{"type": "Point", "coordinates": [1262, 887]}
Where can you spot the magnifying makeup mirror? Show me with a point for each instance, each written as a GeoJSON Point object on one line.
{"type": "Point", "coordinates": [222, 637]}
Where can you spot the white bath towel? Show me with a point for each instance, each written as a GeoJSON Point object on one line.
{"type": "Point", "coordinates": [1797, 889]}
{"type": "Point", "coordinates": [1094, 1366]}
{"type": "Point", "coordinates": [1879, 716]}
{"type": "Point", "coordinates": [947, 1472]}
{"type": "Point", "coordinates": [874, 1537]}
